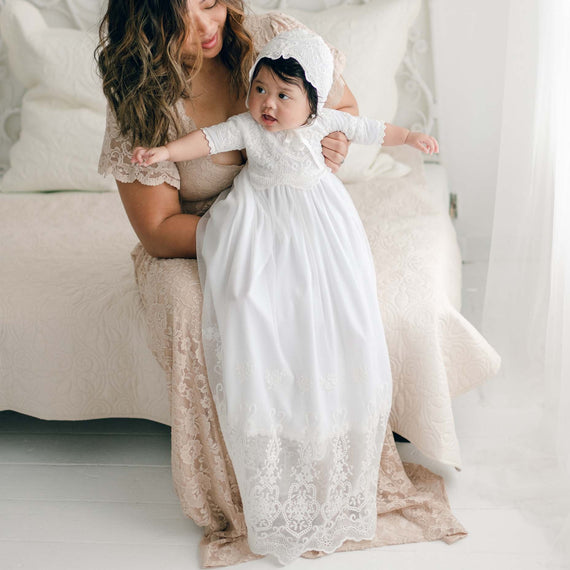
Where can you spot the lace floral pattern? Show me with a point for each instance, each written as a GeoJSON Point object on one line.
{"type": "Point", "coordinates": [304, 521]}
{"type": "Point", "coordinates": [309, 493]}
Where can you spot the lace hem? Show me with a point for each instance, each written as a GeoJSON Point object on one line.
{"type": "Point", "coordinates": [412, 506]}
{"type": "Point", "coordinates": [210, 140]}
{"type": "Point", "coordinates": [298, 497]}
{"type": "Point", "coordinates": [153, 179]}
{"type": "Point", "coordinates": [329, 547]}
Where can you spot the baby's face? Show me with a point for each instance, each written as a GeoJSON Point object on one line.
{"type": "Point", "coordinates": [276, 104]}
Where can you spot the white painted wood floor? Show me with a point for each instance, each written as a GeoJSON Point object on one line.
{"type": "Point", "coordinates": [96, 495]}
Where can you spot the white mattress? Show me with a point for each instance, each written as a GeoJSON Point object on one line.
{"type": "Point", "coordinates": [72, 337]}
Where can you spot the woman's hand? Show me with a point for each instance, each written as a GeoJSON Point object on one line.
{"type": "Point", "coordinates": [148, 156]}
{"type": "Point", "coordinates": [423, 142]}
{"type": "Point", "coordinates": [335, 149]}
{"type": "Point", "coordinates": [335, 145]}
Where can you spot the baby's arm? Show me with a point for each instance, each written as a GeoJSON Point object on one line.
{"type": "Point", "coordinates": [364, 130]}
{"type": "Point", "coordinates": [394, 136]}
{"type": "Point", "coordinates": [222, 137]}
{"type": "Point", "coordinates": [190, 146]}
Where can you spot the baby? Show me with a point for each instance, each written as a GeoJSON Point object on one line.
{"type": "Point", "coordinates": [291, 328]}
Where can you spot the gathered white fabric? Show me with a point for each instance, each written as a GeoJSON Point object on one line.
{"type": "Point", "coordinates": [293, 338]}
{"type": "Point", "coordinates": [312, 53]}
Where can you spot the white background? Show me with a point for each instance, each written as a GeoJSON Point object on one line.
{"type": "Point", "coordinates": [469, 43]}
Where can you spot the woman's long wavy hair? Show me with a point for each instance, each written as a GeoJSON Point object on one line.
{"type": "Point", "coordinates": [140, 59]}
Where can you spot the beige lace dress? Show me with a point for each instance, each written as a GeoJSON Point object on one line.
{"type": "Point", "coordinates": [411, 502]}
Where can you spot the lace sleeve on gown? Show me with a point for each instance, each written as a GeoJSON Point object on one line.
{"type": "Point", "coordinates": [264, 28]}
{"type": "Point", "coordinates": [227, 135]}
{"type": "Point", "coordinates": [358, 129]}
{"type": "Point", "coordinates": [115, 160]}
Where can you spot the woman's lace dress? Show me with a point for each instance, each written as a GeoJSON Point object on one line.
{"type": "Point", "coordinates": [293, 338]}
{"type": "Point", "coordinates": [411, 502]}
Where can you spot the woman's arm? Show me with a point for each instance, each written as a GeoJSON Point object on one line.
{"type": "Point", "coordinates": [347, 102]}
{"type": "Point", "coordinates": [189, 147]}
{"type": "Point", "coordinates": [335, 145]}
{"type": "Point", "coordinates": [158, 221]}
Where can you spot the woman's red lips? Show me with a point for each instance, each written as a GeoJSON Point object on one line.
{"type": "Point", "coordinates": [208, 44]}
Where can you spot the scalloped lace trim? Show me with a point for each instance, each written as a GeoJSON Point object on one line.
{"type": "Point", "coordinates": [152, 179]}
{"type": "Point", "coordinates": [211, 144]}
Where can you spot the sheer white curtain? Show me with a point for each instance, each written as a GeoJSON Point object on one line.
{"type": "Point", "coordinates": [526, 314]}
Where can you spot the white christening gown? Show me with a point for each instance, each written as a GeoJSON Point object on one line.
{"type": "Point", "coordinates": [293, 338]}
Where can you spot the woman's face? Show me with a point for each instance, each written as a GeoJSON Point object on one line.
{"type": "Point", "coordinates": [208, 18]}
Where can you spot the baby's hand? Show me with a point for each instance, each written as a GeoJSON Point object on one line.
{"type": "Point", "coordinates": [148, 156]}
{"type": "Point", "coordinates": [422, 142]}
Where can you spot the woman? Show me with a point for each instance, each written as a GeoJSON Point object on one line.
{"type": "Point", "coordinates": [167, 69]}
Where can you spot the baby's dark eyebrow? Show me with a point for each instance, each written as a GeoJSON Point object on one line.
{"type": "Point", "coordinates": [288, 88]}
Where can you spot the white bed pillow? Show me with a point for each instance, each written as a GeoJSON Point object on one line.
{"type": "Point", "coordinates": [373, 37]}
{"type": "Point", "coordinates": [63, 108]}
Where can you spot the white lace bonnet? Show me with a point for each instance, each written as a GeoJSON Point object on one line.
{"type": "Point", "coordinates": [310, 51]}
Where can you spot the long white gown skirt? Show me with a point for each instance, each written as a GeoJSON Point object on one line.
{"type": "Point", "coordinates": [297, 361]}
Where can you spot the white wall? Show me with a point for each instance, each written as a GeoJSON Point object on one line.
{"type": "Point", "coordinates": [469, 42]}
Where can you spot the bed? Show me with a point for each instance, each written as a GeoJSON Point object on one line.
{"type": "Point", "coordinates": [72, 336]}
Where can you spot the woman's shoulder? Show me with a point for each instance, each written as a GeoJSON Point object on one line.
{"type": "Point", "coordinates": [264, 27]}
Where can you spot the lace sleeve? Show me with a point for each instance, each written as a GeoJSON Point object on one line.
{"type": "Point", "coordinates": [264, 28]}
{"type": "Point", "coordinates": [115, 160]}
{"type": "Point", "coordinates": [227, 135]}
{"type": "Point", "coordinates": [361, 130]}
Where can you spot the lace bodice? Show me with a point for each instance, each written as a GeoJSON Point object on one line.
{"type": "Point", "coordinates": [292, 157]}
{"type": "Point", "coordinates": [198, 181]}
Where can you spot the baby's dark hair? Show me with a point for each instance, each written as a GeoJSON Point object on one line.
{"type": "Point", "coordinates": [290, 71]}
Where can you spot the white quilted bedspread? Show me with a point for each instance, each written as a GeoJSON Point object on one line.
{"type": "Point", "coordinates": [72, 337]}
